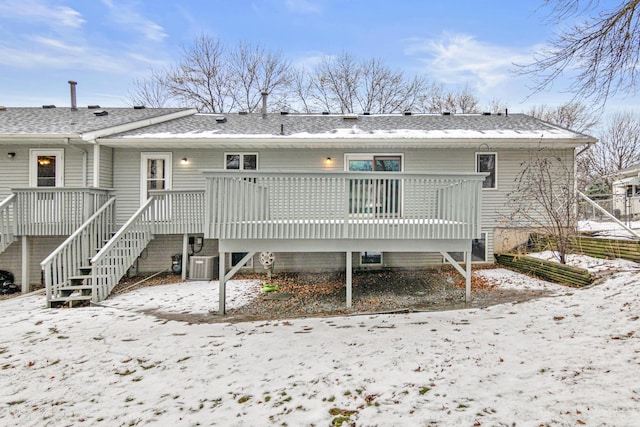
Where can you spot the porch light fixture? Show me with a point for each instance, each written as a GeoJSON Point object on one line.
{"type": "Point", "coordinates": [11, 155]}
{"type": "Point", "coordinates": [328, 161]}
{"type": "Point", "coordinates": [184, 160]}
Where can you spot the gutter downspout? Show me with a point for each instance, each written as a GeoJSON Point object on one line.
{"type": "Point", "coordinates": [85, 155]}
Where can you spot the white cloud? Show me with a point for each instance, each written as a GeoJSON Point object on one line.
{"type": "Point", "coordinates": [36, 10]}
{"type": "Point", "coordinates": [460, 58]}
{"type": "Point", "coordinates": [124, 14]}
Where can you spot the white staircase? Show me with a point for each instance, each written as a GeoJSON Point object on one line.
{"type": "Point", "coordinates": [91, 262]}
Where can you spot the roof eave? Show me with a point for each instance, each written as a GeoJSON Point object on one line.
{"type": "Point", "coordinates": [288, 142]}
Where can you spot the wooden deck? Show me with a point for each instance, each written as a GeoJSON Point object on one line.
{"type": "Point", "coordinates": [341, 212]}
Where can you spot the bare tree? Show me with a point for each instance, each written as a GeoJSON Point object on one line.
{"type": "Point", "coordinates": [618, 148]}
{"type": "Point", "coordinates": [150, 92]}
{"type": "Point", "coordinates": [201, 78]}
{"type": "Point", "coordinates": [254, 70]}
{"type": "Point", "coordinates": [336, 83]}
{"type": "Point", "coordinates": [604, 49]}
{"type": "Point", "coordinates": [544, 199]}
{"type": "Point", "coordinates": [214, 79]}
{"type": "Point", "coordinates": [437, 99]}
{"type": "Point", "coordinates": [571, 115]}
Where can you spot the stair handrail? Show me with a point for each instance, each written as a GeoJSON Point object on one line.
{"type": "Point", "coordinates": [7, 223]}
{"type": "Point", "coordinates": [78, 246]}
{"type": "Point", "coordinates": [139, 229]}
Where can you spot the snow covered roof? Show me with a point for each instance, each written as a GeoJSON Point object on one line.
{"type": "Point", "coordinates": [281, 130]}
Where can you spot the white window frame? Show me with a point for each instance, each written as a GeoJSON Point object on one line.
{"type": "Point", "coordinates": [372, 156]}
{"type": "Point", "coordinates": [495, 173]}
{"type": "Point", "coordinates": [167, 156]}
{"type": "Point", "coordinates": [33, 165]}
{"type": "Point", "coordinates": [241, 154]}
{"type": "Point", "coordinates": [249, 264]}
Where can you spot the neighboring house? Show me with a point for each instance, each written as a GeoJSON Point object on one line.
{"type": "Point", "coordinates": [320, 191]}
{"type": "Point", "coordinates": [626, 192]}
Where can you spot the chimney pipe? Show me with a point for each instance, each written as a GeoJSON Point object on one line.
{"type": "Point", "coordinates": [72, 86]}
{"type": "Point", "coordinates": [264, 104]}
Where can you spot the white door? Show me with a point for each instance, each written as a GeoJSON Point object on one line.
{"type": "Point", "coordinates": [46, 169]}
{"type": "Point", "coordinates": [156, 171]}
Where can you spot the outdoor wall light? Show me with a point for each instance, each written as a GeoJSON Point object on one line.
{"type": "Point", "coordinates": [11, 155]}
{"type": "Point", "coordinates": [328, 161]}
{"type": "Point", "coordinates": [184, 161]}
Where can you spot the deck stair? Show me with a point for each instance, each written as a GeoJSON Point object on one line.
{"type": "Point", "coordinates": [7, 223]}
{"type": "Point", "coordinates": [96, 257]}
{"type": "Point", "coordinates": [67, 270]}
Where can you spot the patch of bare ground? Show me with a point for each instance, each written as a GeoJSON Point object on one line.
{"type": "Point", "coordinates": [374, 291]}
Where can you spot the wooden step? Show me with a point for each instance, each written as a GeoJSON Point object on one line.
{"type": "Point", "coordinates": [70, 300]}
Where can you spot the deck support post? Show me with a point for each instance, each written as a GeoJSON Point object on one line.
{"type": "Point", "coordinates": [185, 255]}
{"type": "Point", "coordinates": [467, 288]}
{"type": "Point", "coordinates": [349, 278]}
{"type": "Point", "coordinates": [26, 262]}
{"type": "Point", "coordinates": [222, 283]}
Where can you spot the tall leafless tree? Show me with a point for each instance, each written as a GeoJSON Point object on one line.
{"type": "Point", "coordinates": [603, 46]}
{"type": "Point", "coordinates": [214, 79]}
{"type": "Point", "coordinates": [150, 92]}
{"type": "Point", "coordinates": [618, 147]}
{"type": "Point", "coordinates": [571, 115]}
{"type": "Point", "coordinates": [254, 70]}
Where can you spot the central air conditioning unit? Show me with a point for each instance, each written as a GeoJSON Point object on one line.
{"type": "Point", "coordinates": [203, 267]}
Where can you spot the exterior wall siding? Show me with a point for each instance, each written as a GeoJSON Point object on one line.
{"type": "Point", "coordinates": [126, 180]}
{"type": "Point", "coordinates": [40, 248]}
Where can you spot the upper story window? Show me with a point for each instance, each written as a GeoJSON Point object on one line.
{"type": "Point", "coordinates": [241, 161]}
{"type": "Point", "coordinates": [487, 162]}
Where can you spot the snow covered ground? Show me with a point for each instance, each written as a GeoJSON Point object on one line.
{"type": "Point", "coordinates": [569, 359]}
{"type": "Point", "coordinates": [608, 229]}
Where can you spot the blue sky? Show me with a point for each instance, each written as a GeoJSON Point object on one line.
{"type": "Point", "coordinates": [105, 44]}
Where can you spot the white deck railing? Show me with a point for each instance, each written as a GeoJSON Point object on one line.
{"type": "Point", "coordinates": [178, 211]}
{"type": "Point", "coordinates": [7, 222]}
{"type": "Point", "coordinates": [345, 205]}
{"type": "Point", "coordinates": [55, 211]}
{"type": "Point", "coordinates": [114, 259]}
{"type": "Point", "coordinates": [77, 249]}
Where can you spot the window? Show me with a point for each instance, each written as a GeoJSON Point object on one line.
{"type": "Point", "coordinates": [46, 168]}
{"type": "Point", "coordinates": [487, 162]}
{"type": "Point", "coordinates": [375, 197]}
{"type": "Point", "coordinates": [370, 258]}
{"type": "Point", "coordinates": [478, 250]}
{"type": "Point", "coordinates": [155, 173]}
{"type": "Point", "coordinates": [240, 161]}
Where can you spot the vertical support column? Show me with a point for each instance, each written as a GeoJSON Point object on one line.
{"type": "Point", "coordinates": [349, 278]}
{"type": "Point", "coordinates": [467, 293]}
{"type": "Point", "coordinates": [26, 261]}
{"type": "Point", "coordinates": [222, 283]}
{"type": "Point", "coordinates": [185, 255]}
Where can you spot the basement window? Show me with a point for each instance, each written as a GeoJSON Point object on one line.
{"type": "Point", "coordinates": [370, 258]}
{"type": "Point", "coordinates": [478, 250]}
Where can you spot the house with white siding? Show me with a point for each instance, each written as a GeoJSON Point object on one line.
{"type": "Point", "coordinates": [317, 191]}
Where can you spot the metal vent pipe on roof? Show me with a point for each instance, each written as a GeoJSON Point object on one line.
{"type": "Point", "coordinates": [72, 86]}
{"type": "Point", "coordinates": [264, 103]}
